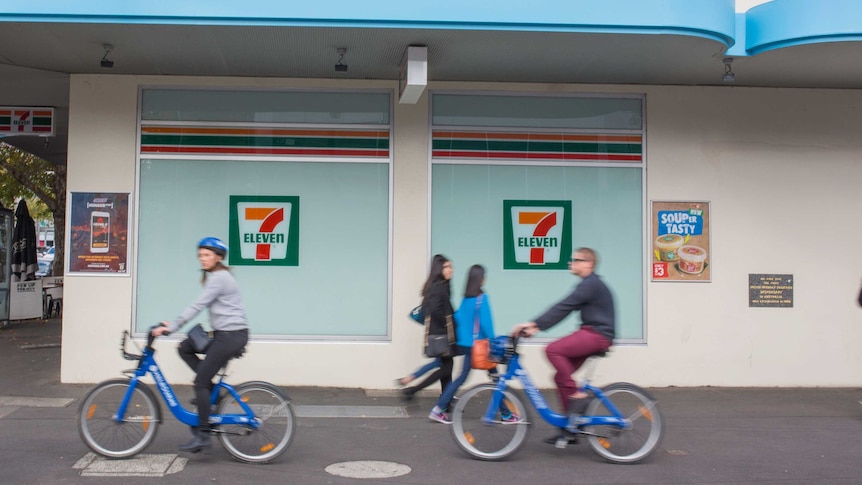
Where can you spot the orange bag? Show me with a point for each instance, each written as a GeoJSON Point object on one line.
{"type": "Point", "coordinates": [481, 355]}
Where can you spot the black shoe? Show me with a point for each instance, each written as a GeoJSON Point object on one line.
{"type": "Point", "coordinates": [407, 394]}
{"type": "Point", "coordinates": [202, 441]}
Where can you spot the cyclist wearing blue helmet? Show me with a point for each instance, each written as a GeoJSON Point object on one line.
{"type": "Point", "coordinates": [222, 297]}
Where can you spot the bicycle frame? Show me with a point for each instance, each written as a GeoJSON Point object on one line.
{"type": "Point", "coordinates": [147, 364]}
{"type": "Point", "coordinates": [515, 371]}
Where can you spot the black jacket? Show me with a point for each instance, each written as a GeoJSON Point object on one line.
{"type": "Point", "coordinates": [438, 306]}
{"type": "Point", "coordinates": [593, 299]}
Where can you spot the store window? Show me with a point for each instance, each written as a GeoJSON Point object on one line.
{"type": "Point", "coordinates": [299, 183]}
{"type": "Point", "coordinates": [518, 182]}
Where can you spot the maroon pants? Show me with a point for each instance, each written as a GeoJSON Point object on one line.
{"type": "Point", "coordinates": [568, 354]}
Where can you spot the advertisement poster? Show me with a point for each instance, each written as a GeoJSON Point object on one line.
{"type": "Point", "coordinates": [99, 224]}
{"type": "Point", "coordinates": [680, 241]}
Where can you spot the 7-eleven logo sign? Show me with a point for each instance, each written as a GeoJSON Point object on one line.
{"type": "Point", "coordinates": [265, 229]}
{"type": "Point", "coordinates": [537, 234]}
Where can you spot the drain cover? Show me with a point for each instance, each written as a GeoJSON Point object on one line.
{"type": "Point", "coordinates": [368, 469]}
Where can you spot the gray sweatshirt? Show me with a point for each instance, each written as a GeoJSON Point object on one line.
{"type": "Point", "coordinates": [222, 296]}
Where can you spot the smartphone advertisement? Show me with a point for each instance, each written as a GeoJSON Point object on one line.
{"type": "Point", "coordinates": [99, 232]}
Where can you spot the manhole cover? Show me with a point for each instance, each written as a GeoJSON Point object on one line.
{"type": "Point", "coordinates": [368, 469]}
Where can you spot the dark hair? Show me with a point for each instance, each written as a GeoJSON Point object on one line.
{"type": "Point", "coordinates": [475, 278]}
{"type": "Point", "coordinates": [435, 272]}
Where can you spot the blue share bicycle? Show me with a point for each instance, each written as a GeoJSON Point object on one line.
{"type": "Point", "coordinates": [118, 418]}
{"type": "Point", "coordinates": [622, 423]}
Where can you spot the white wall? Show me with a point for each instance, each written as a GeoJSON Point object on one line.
{"type": "Point", "coordinates": [779, 167]}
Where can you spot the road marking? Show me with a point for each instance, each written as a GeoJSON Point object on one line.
{"type": "Point", "coordinates": [36, 402]}
{"type": "Point", "coordinates": [144, 465]}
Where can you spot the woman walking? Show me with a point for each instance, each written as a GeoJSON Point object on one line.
{"type": "Point", "coordinates": [437, 308]}
{"type": "Point", "coordinates": [475, 322]}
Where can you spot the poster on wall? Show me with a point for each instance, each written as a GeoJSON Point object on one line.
{"type": "Point", "coordinates": [98, 239]}
{"type": "Point", "coordinates": [680, 241]}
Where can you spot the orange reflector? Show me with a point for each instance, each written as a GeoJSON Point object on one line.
{"type": "Point", "coordinates": [91, 411]}
{"type": "Point", "coordinates": [605, 443]}
{"type": "Point", "coordinates": [267, 447]}
{"type": "Point", "coordinates": [146, 424]}
{"type": "Point", "coordinates": [469, 437]}
{"type": "Point", "coordinates": [646, 412]}
{"type": "Point", "coordinates": [245, 399]}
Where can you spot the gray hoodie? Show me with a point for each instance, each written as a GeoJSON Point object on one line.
{"type": "Point", "coordinates": [224, 300]}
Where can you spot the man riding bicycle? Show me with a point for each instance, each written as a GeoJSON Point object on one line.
{"type": "Point", "coordinates": [596, 303]}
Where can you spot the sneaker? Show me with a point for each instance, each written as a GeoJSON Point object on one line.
{"type": "Point", "coordinates": [440, 417]}
{"type": "Point", "coordinates": [510, 418]}
{"type": "Point", "coordinates": [561, 440]}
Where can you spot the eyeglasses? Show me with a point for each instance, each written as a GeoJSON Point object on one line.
{"type": "Point", "coordinates": [575, 260]}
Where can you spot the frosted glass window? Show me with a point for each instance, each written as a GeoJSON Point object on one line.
{"type": "Point", "coordinates": [309, 107]}
{"type": "Point", "coordinates": [574, 112]}
{"type": "Point", "coordinates": [607, 215]}
{"type": "Point", "coordinates": [340, 287]}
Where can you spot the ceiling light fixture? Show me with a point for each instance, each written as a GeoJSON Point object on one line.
{"type": "Point", "coordinates": [105, 62]}
{"type": "Point", "coordinates": [340, 66]}
{"type": "Point", "coordinates": [728, 75]}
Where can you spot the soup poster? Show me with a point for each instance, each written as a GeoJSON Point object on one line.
{"type": "Point", "coordinates": [680, 241]}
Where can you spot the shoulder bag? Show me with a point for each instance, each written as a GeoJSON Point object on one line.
{"type": "Point", "coordinates": [480, 356]}
{"type": "Point", "coordinates": [199, 339]}
{"type": "Point", "coordinates": [439, 345]}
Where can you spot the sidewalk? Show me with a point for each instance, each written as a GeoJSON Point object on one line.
{"type": "Point", "coordinates": [712, 436]}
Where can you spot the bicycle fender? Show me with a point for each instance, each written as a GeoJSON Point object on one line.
{"type": "Point", "coordinates": [629, 385]}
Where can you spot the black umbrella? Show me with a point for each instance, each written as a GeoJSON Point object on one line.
{"type": "Point", "coordinates": [24, 264]}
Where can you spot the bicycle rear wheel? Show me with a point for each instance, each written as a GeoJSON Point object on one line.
{"type": "Point", "coordinates": [488, 441]}
{"type": "Point", "coordinates": [635, 442]}
{"type": "Point", "coordinates": [272, 408]}
{"type": "Point", "coordinates": [98, 427]}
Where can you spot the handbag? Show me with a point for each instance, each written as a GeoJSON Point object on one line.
{"type": "Point", "coordinates": [416, 315]}
{"type": "Point", "coordinates": [199, 339]}
{"type": "Point", "coordinates": [480, 354]}
{"type": "Point", "coordinates": [439, 345]}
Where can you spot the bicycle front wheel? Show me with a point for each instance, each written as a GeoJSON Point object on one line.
{"type": "Point", "coordinates": [640, 438]}
{"type": "Point", "coordinates": [274, 412]}
{"type": "Point", "coordinates": [112, 438]}
{"type": "Point", "coordinates": [490, 441]}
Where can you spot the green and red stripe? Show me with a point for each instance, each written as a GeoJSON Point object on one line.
{"type": "Point", "coordinates": [265, 141]}
{"type": "Point", "coordinates": [537, 146]}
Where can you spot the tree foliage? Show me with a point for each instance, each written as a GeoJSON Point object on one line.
{"type": "Point", "coordinates": [43, 184]}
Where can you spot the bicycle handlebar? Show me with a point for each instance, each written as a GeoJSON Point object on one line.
{"type": "Point", "coordinates": [150, 339]}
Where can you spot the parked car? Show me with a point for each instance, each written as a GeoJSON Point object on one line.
{"type": "Point", "coordinates": [49, 254]}
{"type": "Point", "coordinates": [45, 267]}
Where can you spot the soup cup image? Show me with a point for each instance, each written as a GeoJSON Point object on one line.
{"type": "Point", "coordinates": [668, 246]}
{"type": "Point", "coordinates": [692, 259]}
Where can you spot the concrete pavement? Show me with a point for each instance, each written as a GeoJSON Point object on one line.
{"type": "Point", "coordinates": [712, 436]}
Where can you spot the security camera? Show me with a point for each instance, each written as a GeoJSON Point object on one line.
{"type": "Point", "coordinates": [340, 67]}
{"type": "Point", "coordinates": [109, 64]}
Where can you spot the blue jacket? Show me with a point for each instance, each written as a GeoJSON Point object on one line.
{"type": "Point", "coordinates": [464, 319]}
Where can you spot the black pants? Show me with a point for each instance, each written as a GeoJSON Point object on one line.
{"type": "Point", "coordinates": [225, 346]}
{"type": "Point", "coordinates": [443, 374]}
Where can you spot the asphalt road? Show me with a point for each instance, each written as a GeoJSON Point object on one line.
{"type": "Point", "coordinates": [712, 436]}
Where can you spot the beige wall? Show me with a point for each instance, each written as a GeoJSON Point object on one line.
{"type": "Point", "coordinates": [779, 167]}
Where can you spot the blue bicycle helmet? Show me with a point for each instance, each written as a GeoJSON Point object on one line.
{"type": "Point", "coordinates": [214, 244]}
